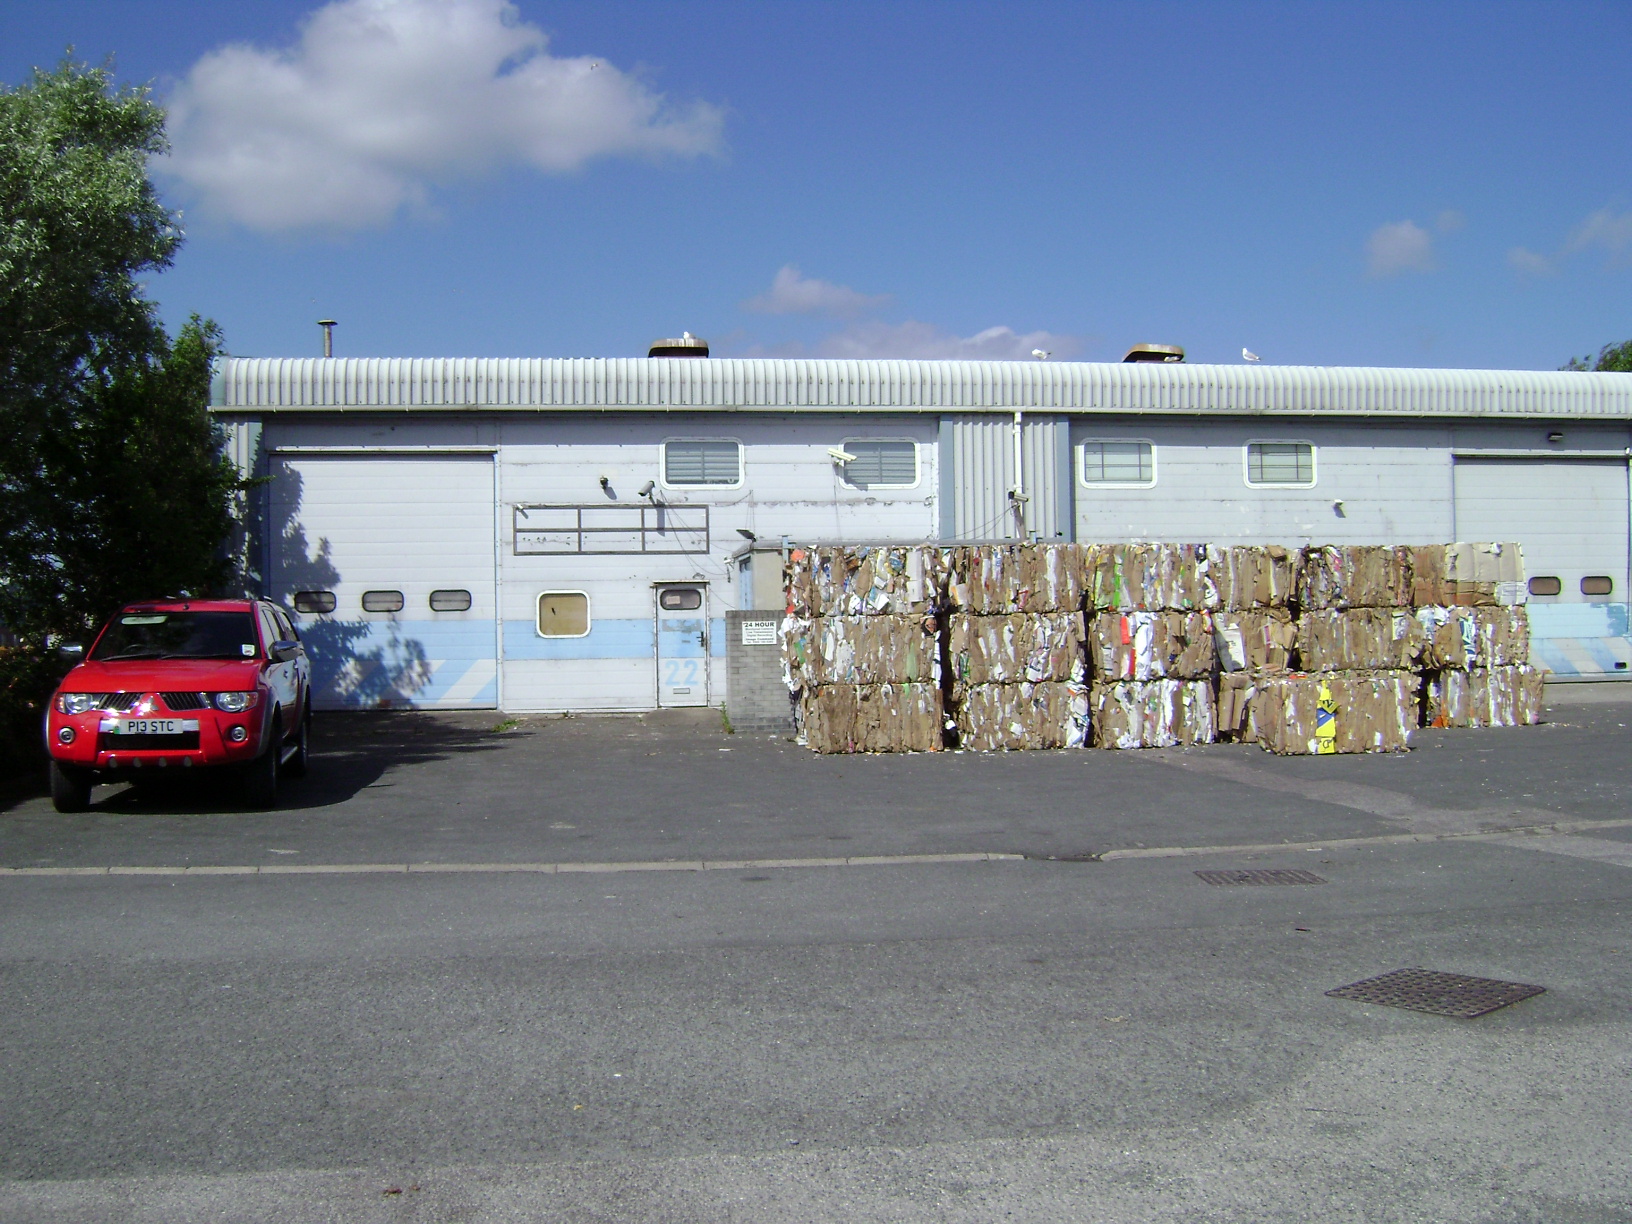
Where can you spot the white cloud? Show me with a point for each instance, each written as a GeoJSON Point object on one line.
{"type": "Point", "coordinates": [1604, 229]}
{"type": "Point", "coordinates": [381, 100]}
{"type": "Point", "coordinates": [926, 341]}
{"type": "Point", "coordinates": [791, 293]}
{"type": "Point", "coordinates": [1530, 263]}
{"type": "Point", "coordinates": [1403, 246]}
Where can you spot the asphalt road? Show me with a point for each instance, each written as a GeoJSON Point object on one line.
{"type": "Point", "coordinates": [887, 1040]}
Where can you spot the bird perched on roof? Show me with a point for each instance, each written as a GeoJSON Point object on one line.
{"type": "Point", "coordinates": [1249, 355]}
{"type": "Point", "coordinates": [1041, 354]}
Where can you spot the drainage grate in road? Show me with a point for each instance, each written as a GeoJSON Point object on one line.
{"type": "Point", "coordinates": [1262, 875]}
{"type": "Point", "coordinates": [1443, 994]}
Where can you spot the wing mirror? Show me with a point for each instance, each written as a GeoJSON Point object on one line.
{"type": "Point", "coordinates": [283, 651]}
{"type": "Point", "coordinates": [71, 652]}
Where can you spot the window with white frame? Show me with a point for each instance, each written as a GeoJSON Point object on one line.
{"type": "Point", "coordinates": [702, 461]}
{"type": "Point", "coordinates": [1290, 464]}
{"type": "Point", "coordinates": [880, 463]}
{"type": "Point", "coordinates": [1118, 461]}
{"type": "Point", "coordinates": [563, 614]}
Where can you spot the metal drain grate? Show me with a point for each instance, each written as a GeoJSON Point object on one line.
{"type": "Point", "coordinates": [1443, 994]}
{"type": "Point", "coordinates": [1262, 875]}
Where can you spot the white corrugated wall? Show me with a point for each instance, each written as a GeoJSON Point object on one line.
{"type": "Point", "coordinates": [982, 460]}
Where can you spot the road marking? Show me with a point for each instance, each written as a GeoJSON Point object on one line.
{"type": "Point", "coordinates": [1599, 849]}
{"type": "Point", "coordinates": [1510, 835]}
{"type": "Point", "coordinates": [1553, 837]}
{"type": "Point", "coordinates": [287, 869]}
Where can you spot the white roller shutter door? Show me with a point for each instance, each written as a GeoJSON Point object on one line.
{"type": "Point", "coordinates": [379, 526]}
{"type": "Point", "coordinates": [1571, 516]}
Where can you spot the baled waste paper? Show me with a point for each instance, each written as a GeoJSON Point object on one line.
{"type": "Point", "coordinates": [1000, 717]}
{"type": "Point", "coordinates": [1151, 646]}
{"type": "Point", "coordinates": [1503, 696]}
{"type": "Point", "coordinates": [1325, 649]}
{"type": "Point", "coordinates": [1152, 713]}
{"type": "Point", "coordinates": [871, 717]}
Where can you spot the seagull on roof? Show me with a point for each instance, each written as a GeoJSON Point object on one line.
{"type": "Point", "coordinates": [1249, 355]}
{"type": "Point", "coordinates": [1041, 354]}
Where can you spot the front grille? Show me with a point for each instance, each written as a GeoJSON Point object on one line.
{"type": "Point", "coordinates": [116, 701]}
{"type": "Point", "coordinates": [186, 701]}
{"type": "Point", "coordinates": [185, 742]}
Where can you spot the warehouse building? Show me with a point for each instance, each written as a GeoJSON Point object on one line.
{"type": "Point", "coordinates": [551, 535]}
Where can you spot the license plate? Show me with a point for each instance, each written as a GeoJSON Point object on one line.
{"type": "Point", "coordinates": [152, 726]}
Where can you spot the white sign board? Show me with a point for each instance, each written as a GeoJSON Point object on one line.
{"type": "Point", "coordinates": [759, 633]}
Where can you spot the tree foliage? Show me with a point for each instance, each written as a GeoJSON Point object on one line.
{"type": "Point", "coordinates": [1613, 357]}
{"type": "Point", "coordinates": [113, 485]}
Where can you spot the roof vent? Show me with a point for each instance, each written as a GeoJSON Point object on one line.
{"type": "Point", "coordinates": [687, 345]}
{"type": "Point", "coordinates": [1155, 352]}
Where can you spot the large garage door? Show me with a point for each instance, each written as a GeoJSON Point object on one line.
{"type": "Point", "coordinates": [1571, 517]}
{"type": "Point", "coordinates": [402, 551]}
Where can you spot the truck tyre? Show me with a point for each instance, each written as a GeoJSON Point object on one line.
{"type": "Point", "coordinates": [70, 787]}
{"type": "Point", "coordinates": [260, 780]}
{"type": "Point", "coordinates": [297, 763]}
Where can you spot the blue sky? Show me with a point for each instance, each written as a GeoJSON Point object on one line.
{"type": "Point", "coordinates": [1368, 184]}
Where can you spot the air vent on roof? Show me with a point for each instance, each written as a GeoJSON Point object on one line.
{"type": "Point", "coordinates": [1155, 352]}
{"type": "Point", "coordinates": [687, 345]}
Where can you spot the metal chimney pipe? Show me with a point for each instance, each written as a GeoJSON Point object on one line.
{"type": "Point", "coordinates": [328, 336]}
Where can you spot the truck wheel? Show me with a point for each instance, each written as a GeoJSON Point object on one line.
{"type": "Point", "coordinates": [70, 787]}
{"type": "Point", "coordinates": [260, 780]}
{"type": "Point", "coordinates": [296, 765]}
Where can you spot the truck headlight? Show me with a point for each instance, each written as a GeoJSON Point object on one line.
{"type": "Point", "coordinates": [76, 703]}
{"type": "Point", "coordinates": [236, 703]}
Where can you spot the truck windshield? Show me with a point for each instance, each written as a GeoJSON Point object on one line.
{"type": "Point", "coordinates": [177, 635]}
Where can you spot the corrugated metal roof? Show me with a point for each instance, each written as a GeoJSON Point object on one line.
{"type": "Point", "coordinates": [669, 384]}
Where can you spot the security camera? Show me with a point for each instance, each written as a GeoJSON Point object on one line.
{"type": "Point", "coordinates": [606, 481]}
{"type": "Point", "coordinates": [646, 489]}
{"type": "Point", "coordinates": [840, 455]}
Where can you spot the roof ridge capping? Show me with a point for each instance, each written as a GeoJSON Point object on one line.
{"type": "Point", "coordinates": [916, 384]}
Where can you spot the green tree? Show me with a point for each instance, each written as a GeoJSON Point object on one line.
{"type": "Point", "coordinates": [113, 485]}
{"type": "Point", "coordinates": [1613, 357]}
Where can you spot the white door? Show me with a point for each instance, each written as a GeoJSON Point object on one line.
{"type": "Point", "coordinates": [1571, 517]}
{"type": "Point", "coordinates": [682, 644]}
{"type": "Point", "coordinates": [387, 564]}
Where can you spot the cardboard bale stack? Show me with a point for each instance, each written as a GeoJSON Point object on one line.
{"type": "Point", "coordinates": [861, 647]}
{"type": "Point", "coordinates": [1014, 638]}
{"type": "Point", "coordinates": [1151, 653]}
{"type": "Point", "coordinates": [1351, 683]}
{"type": "Point", "coordinates": [1477, 666]}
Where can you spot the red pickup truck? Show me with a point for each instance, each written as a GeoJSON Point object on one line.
{"type": "Point", "coordinates": [178, 685]}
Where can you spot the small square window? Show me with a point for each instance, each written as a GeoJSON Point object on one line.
{"type": "Point", "coordinates": [1280, 463]}
{"type": "Point", "coordinates": [880, 464]}
{"type": "Point", "coordinates": [1597, 584]}
{"type": "Point", "coordinates": [1543, 584]}
{"type": "Point", "coordinates": [702, 461]}
{"type": "Point", "coordinates": [382, 601]}
{"type": "Point", "coordinates": [1113, 461]}
{"type": "Point", "coordinates": [314, 603]}
{"type": "Point", "coordinates": [450, 601]}
{"type": "Point", "coordinates": [563, 614]}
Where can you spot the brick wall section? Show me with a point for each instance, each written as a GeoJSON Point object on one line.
{"type": "Point", "coordinates": [756, 697]}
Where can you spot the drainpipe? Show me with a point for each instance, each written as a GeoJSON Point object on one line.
{"type": "Point", "coordinates": [1017, 495]}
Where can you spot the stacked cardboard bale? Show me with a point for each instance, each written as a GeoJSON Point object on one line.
{"type": "Point", "coordinates": [861, 647]}
{"type": "Point", "coordinates": [1477, 668]}
{"type": "Point", "coordinates": [1476, 662]}
{"type": "Point", "coordinates": [1253, 628]}
{"type": "Point", "coordinates": [1014, 645]}
{"type": "Point", "coordinates": [1350, 683]}
{"type": "Point", "coordinates": [1150, 644]}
